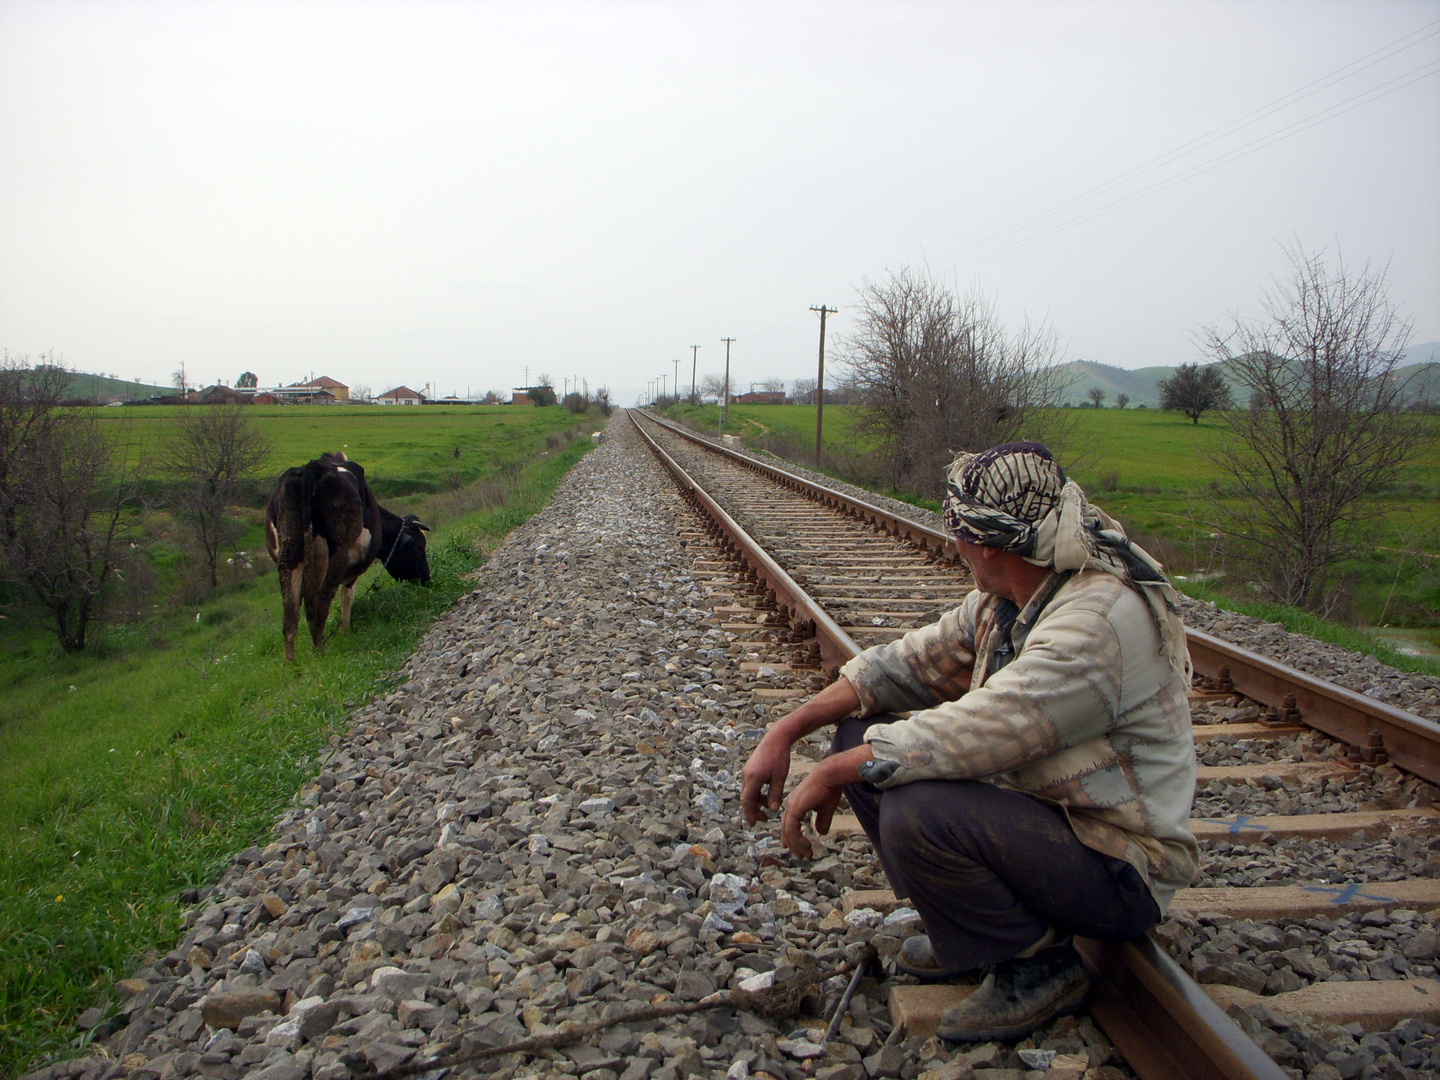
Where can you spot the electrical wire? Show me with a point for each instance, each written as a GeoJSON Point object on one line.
{"type": "Point", "coordinates": [1400, 82]}
{"type": "Point", "coordinates": [1353, 68]}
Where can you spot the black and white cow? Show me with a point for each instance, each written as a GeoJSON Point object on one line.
{"type": "Point", "coordinates": [324, 528]}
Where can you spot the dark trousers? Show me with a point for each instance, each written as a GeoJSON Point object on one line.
{"type": "Point", "coordinates": [990, 870]}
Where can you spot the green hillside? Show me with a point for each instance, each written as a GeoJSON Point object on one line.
{"type": "Point", "coordinates": [1143, 384]}
{"type": "Point", "coordinates": [102, 389]}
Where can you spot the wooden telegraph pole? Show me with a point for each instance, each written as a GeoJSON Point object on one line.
{"type": "Point", "coordinates": [694, 359]}
{"type": "Point", "coordinates": [820, 382]}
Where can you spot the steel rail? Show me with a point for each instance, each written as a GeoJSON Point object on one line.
{"type": "Point", "coordinates": [805, 616]}
{"type": "Point", "coordinates": [1374, 728]}
{"type": "Point", "coordinates": [1158, 1018]}
{"type": "Point", "coordinates": [1410, 742]}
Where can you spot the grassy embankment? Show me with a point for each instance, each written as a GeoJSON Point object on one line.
{"type": "Point", "coordinates": [136, 769]}
{"type": "Point", "coordinates": [1150, 470]}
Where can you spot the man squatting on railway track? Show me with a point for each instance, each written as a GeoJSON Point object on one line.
{"type": "Point", "coordinates": [1041, 785]}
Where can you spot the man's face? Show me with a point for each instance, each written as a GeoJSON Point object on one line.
{"type": "Point", "coordinates": [982, 564]}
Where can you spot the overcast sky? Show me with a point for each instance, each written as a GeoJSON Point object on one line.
{"type": "Point", "coordinates": [456, 192]}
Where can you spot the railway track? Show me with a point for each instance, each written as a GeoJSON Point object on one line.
{"type": "Point", "coordinates": [816, 575]}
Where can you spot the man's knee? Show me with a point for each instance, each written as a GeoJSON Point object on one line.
{"type": "Point", "coordinates": [927, 818]}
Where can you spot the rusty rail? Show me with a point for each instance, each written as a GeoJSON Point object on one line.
{"type": "Point", "coordinates": [794, 605]}
{"type": "Point", "coordinates": [1370, 727]}
{"type": "Point", "coordinates": [1158, 1018]}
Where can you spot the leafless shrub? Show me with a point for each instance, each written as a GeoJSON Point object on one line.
{"type": "Point", "coordinates": [29, 408]}
{"type": "Point", "coordinates": [212, 450]}
{"type": "Point", "coordinates": [712, 387]}
{"type": "Point", "coordinates": [937, 373]}
{"type": "Point", "coordinates": [1326, 431]}
{"type": "Point", "coordinates": [70, 522]}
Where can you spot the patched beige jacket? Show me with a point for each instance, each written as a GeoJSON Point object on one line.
{"type": "Point", "coordinates": [1089, 714]}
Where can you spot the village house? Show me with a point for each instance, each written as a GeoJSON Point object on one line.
{"type": "Point", "coordinates": [401, 395]}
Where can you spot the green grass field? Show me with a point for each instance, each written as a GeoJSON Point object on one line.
{"type": "Point", "coordinates": [1151, 471]}
{"type": "Point", "coordinates": [136, 769]}
{"type": "Point", "coordinates": [405, 450]}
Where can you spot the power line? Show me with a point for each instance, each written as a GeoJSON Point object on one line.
{"type": "Point", "coordinates": [1347, 71]}
{"type": "Point", "coordinates": [1003, 237]}
{"type": "Point", "coordinates": [1279, 135]}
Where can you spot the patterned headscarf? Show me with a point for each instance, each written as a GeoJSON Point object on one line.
{"type": "Point", "coordinates": [1017, 498]}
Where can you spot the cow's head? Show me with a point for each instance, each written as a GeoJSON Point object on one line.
{"type": "Point", "coordinates": [406, 560]}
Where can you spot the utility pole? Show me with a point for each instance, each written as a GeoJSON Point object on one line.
{"type": "Point", "coordinates": [677, 378]}
{"type": "Point", "coordinates": [694, 359]}
{"type": "Point", "coordinates": [662, 387]}
{"type": "Point", "coordinates": [820, 383]}
{"type": "Point", "coordinates": [726, 413]}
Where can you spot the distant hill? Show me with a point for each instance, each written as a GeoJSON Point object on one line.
{"type": "Point", "coordinates": [1142, 384]}
{"type": "Point", "coordinates": [101, 389]}
{"type": "Point", "coordinates": [1423, 381]}
{"type": "Point", "coordinates": [1427, 352]}
{"type": "Point", "coordinates": [1422, 369]}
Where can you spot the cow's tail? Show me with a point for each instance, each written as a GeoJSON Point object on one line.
{"type": "Point", "coordinates": [317, 565]}
{"type": "Point", "coordinates": [311, 473]}
{"type": "Point", "coordinates": [288, 537]}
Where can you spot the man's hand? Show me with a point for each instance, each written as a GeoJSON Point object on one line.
{"type": "Point", "coordinates": [763, 778]}
{"type": "Point", "coordinates": [762, 781]}
{"type": "Point", "coordinates": [820, 792]}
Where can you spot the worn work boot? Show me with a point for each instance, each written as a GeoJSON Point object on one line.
{"type": "Point", "coordinates": [917, 958]}
{"type": "Point", "coordinates": [1018, 996]}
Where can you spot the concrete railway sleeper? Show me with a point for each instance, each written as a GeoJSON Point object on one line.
{"type": "Point", "coordinates": [1314, 921]}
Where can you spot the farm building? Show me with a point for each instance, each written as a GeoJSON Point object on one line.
{"type": "Point", "coordinates": [223, 395]}
{"type": "Point", "coordinates": [760, 397]}
{"type": "Point", "coordinates": [401, 395]}
{"type": "Point", "coordinates": [339, 390]}
{"type": "Point", "coordinates": [321, 391]}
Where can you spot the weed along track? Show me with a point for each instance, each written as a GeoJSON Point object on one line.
{"type": "Point", "coordinates": [540, 824]}
{"type": "Point", "coordinates": [1313, 923]}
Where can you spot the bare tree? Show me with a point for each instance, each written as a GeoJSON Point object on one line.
{"type": "Point", "coordinates": [713, 387]}
{"type": "Point", "coordinates": [1121, 400]}
{"type": "Point", "coordinates": [802, 391]}
{"type": "Point", "coordinates": [773, 386]}
{"type": "Point", "coordinates": [1096, 394]}
{"type": "Point", "coordinates": [211, 451]}
{"type": "Point", "coordinates": [1195, 390]}
{"type": "Point", "coordinates": [29, 407]}
{"type": "Point", "coordinates": [936, 373]}
{"type": "Point", "coordinates": [602, 399]}
{"type": "Point", "coordinates": [71, 522]}
{"type": "Point", "coordinates": [1326, 430]}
